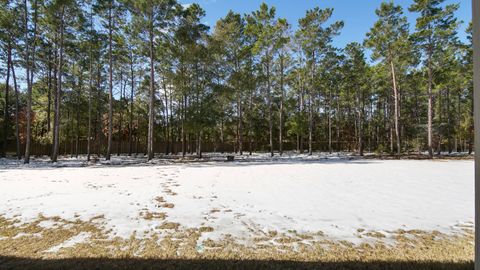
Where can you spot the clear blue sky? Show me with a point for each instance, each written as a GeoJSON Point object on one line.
{"type": "Point", "coordinates": [358, 15]}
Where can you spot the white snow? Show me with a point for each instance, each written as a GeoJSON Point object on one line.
{"type": "Point", "coordinates": [336, 196]}
{"type": "Point", "coordinates": [79, 238]}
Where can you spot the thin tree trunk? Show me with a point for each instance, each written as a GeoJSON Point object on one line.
{"type": "Point", "coordinates": [360, 121]}
{"type": "Point", "coordinates": [77, 124]}
{"type": "Point", "coordinates": [337, 119]}
{"type": "Point", "coordinates": [282, 96]}
{"type": "Point", "coordinates": [184, 105]}
{"type": "Point", "coordinates": [58, 94]}
{"type": "Point", "coordinates": [199, 144]}
{"type": "Point", "coordinates": [449, 123]}
{"type": "Point", "coordinates": [440, 121]}
{"type": "Point", "coordinates": [119, 136]}
{"type": "Point", "coordinates": [250, 125]}
{"type": "Point", "coordinates": [29, 89]}
{"type": "Point", "coordinates": [31, 68]}
{"type": "Point", "coordinates": [99, 122]}
{"type": "Point", "coordinates": [396, 107]}
{"type": "Point", "coordinates": [310, 108]}
{"type": "Point", "coordinates": [6, 113]}
{"type": "Point", "coordinates": [269, 104]}
{"type": "Point", "coordinates": [17, 107]}
{"type": "Point", "coordinates": [240, 123]}
{"type": "Point", "coordinates": [110, 83]}
{"type": "Point", "coordinates": [329, 121]}
{"type": "Point", "coordinates": [90, 89]}
{"type": "Point", "coordinates": [130, 125]}
{"type": "Point", "coordinates": [171, 130]}
{"type": "Point", "coordinates": [49, 92]}
{"type": "Point", "coordinates": [167, 120]}
{"type": "Point", "coordinates": [152, 93]}
{"type": "Point", "coordinates": [430, 107]}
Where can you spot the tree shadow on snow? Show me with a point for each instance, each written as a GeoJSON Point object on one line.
{"type": "Point", "coordinates": [7, 263]}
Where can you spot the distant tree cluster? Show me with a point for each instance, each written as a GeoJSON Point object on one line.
{"type": "Point", "coordinates": [103, 77]}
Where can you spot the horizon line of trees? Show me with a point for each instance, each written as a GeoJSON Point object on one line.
{"type": "Point", "coordinates": [105, 76]}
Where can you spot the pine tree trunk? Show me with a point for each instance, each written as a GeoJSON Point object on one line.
{"type": "Point", "coordinates": [171, 130]}
{"type": "Point", "coordinates": [269, 104]}
{"type": "Point", "coordinates": [329, 121]}
{"type": "Point", "coordinates": [77, 124]}
{"type": "Point", "coordinates": [49, 92]}
{"type": "Point", "coordinates": [440, 121]}
{"type": "Point", "coordinates": [282, 96]}
{"type": "Point", "coordinates": [31, 68]}
{"type": "Point", "coordinates": [56, 120]}
{"type": "Point", "coordinates": [184, 107]}
{"type": "Point", "coordinates": [337, 120]}
{"type": "Point", "coordinates": [240, 123]}
{"type": "Point", "coordinates": [6, 113]}
{"type": "Point", "coordinates": [152, 94]}
{"type": "Point", "coordinates": [120, 126]}
{"type": "Point", "coordinates": [430, 107]}
{"type": "Point", "coordinates": [449, 123]}
{"type": "Point", "coordinates": [90, 89]}
{"type": "Point", "coordinates": [360, 121]}
{"type": "Point", "coordinates": [167, 120]}
{"type": "Point", "coordinates": [17, 107]}
{"type": "Point", "coordinates": [199, 144]}
{"type": "Point", "coordinates": [310, 108]}
{"type": "Point", "coordinates": [396, 107]}
{"type": "Point", "coordinates": [29, 89]}
{"type": "Point", "coordinates": [99, 121]}
{"type": "Point", "coordinates": [250, 124]}
{"type": "Point", "coordinates": [110, 83]}
{"type": "Point", "coordinates": [130, 125]}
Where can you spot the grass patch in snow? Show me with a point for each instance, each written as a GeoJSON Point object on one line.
{"type": "Point", "coordinates": [168, 205]}
{"type": "Point", "coordinates": [169, 226]}
{"type": "Point", "coordinates": [153, 215]}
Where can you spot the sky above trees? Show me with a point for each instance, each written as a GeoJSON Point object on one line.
{"type": "Point", "coordinates": [358, 15]}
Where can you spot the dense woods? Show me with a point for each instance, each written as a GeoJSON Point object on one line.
{"type": "Point", "coordinates": [111, 77]}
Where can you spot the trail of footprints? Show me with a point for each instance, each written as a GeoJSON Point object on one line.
{"type": "Point", "coordinates": [168, 182]}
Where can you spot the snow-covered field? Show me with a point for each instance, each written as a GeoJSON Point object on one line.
{"type": "Point", "coordinates": [338, 198]}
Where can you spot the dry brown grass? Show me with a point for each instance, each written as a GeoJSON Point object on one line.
{"type": "Point", "coordinates": [160, 199]}
{"type": "Point", "coordinates": [168, 205]}
{"type": "Point", "coordinates": [153, 215]}
{"type": "Point", "coordinates": [170, 241]}
{"type": "Point", "coordinates": [205, 229]}
{"type": "Point", "coordinates": [169, 226]}
{"type": "Point", "coordinates": [375, 234]}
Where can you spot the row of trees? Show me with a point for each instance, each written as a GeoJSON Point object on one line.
{"type": "Point", "coordinates": [126, 75]}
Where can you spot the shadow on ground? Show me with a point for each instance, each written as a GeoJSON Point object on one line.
{"type": "Point", "coordinates": [99, 263]}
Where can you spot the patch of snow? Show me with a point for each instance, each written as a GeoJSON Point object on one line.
{"type": "Point", "coordinates": [22, 234]}
{"type": "Point", "coordinates": [79, 238]}
{"type": "Point", "coordinates": [48, 224]}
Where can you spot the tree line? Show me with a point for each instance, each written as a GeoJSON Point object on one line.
{"type": "Point", "coordinates": [100, 77]}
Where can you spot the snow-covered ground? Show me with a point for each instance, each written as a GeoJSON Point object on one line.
{"type": "Point", "coordinates": [339, 197]}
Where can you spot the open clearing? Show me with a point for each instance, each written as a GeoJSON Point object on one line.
{"type": "Point", "coordinates": [288, 209]}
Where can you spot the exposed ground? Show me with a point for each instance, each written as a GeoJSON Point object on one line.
{"type": "Point", "coordinates": [296, 212]}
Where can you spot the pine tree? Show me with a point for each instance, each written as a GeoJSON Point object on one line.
{"type": "Point", "coordinates": [387, 39]}
{"type": "Point", "coordinates": [436, 28]}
